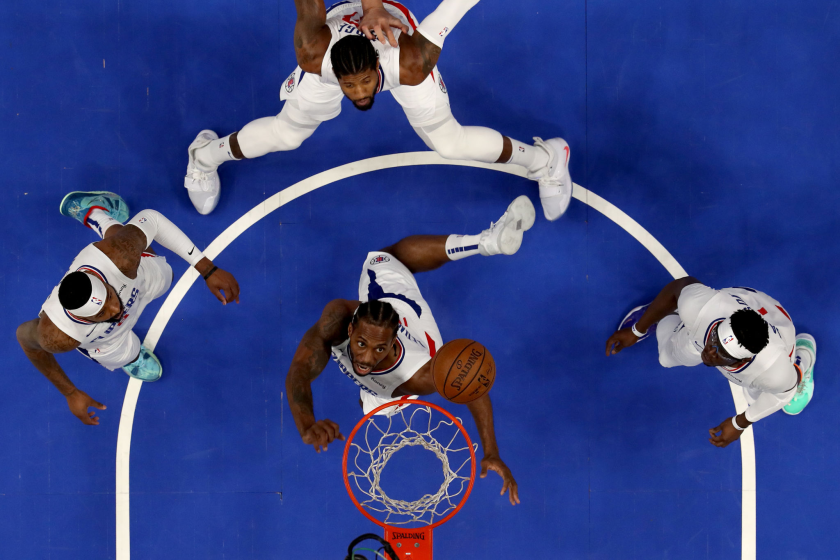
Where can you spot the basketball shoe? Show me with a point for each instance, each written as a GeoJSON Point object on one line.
{"type": "Point", "coordinates": [633, 317]}
{"type": "Point", "coordinates": [805, 389]}
{"type": "Point", "coordinates": [146, 367]}
{"type": "Point", "coordinates": [79, 204]}
{"type": "Point", "coordinates": [203, 186]}
{"type": "Point", "coordinates": [554, 179]}
{"type": "Point", "coordinates": [505, 235]}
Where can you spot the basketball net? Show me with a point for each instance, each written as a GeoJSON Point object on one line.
{"type": "Point", "coordinates": [409, 424]}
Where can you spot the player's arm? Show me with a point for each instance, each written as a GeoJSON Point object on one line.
{"type": "Point", "coordinates": [40, 339]}
{"type": "Point", "coordinates": [376, 19]}
{"type": "Point", "coordinates": [310, 359]}
{"type": "Point", "coordinates": [422, 383]}
{"type": "Point", "coordinates": [312, 36]}
{"type": "Point", "coordinates": [664, 304]}
{"type": "Point", "coordinates": [127, 245]}
{"type": "Point", "coordinates": [419, 52]}
{"type": "Point", "coordinates": [777, 385]}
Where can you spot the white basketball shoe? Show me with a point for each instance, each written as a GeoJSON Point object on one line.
{"type": "Point", "coordinates": [505, 235]}
{"type": "Point", "coordinates": [554, 179]}
{"type": "Point", "coordinates": [203, 186]}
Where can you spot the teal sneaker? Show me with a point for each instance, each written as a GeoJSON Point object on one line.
{"type": "Point", "coordinates": [146, 367]}
{"type": "Point", "coordinates": [78, 205]}
{"type": "Point", "coordinates": [805, 390]}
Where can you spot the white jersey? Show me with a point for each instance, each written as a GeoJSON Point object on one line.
{"type": "Point", "coordinates": [343, 20]}
{"type": "Point", "coordinates": [385, 278]}
{"type": "Point", "coordinates": [771, 371]}
{"type": "Point", "coordinates": [104, 342]}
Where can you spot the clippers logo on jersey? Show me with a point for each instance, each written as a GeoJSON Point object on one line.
{"type": "Point", "coordinates": [442, 85]}
{"type": "Point", "coordinates": [290, 83]}
{"type": "Point", "coordinates": [379, 259]}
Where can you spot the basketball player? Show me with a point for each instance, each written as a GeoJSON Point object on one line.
{"type": "Point", "coordinates": [384, 341]}
{"type": "Point", "coordinates": [108, 285]}
{"type": "Point", "coordinates": [335, 60]}
{"type": "Point", "coordinates": [747, 335]}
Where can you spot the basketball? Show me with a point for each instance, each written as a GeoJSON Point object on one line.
{"type": "Point", "coordinates": [463, 370]}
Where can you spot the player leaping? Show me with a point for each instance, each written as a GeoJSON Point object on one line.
{"type": "Point", "coordinates": [335, 60]}
{"type": "Point", "coordinates": [384, 341]}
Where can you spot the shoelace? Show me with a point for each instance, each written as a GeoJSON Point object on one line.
{"type": "Point", "coordinates": [198, 177]}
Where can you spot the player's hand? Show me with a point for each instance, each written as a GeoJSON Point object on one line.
{"type": "Point", "coordinates": [321, 433]}
{"type": "Point", "coordinates": [79, 402]}
{"type": "Point", "coordinates": [495, 464]}
{"type": "Point", "coordinates": [223, 281]}
{"type": "Point", "coordinates": [380, 22]}
{"type": "Point", "coordinates": [620, 340]}
{"type": "Point", "coordinates": [728, 434]}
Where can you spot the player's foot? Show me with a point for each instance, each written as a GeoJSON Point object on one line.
{"type": "Point", "coordinates": [203, 186]}
{"type": "Point", "coordinates": [633, 317]}
{"type": "Point", "coordinates": [79, 204]}
{"type": "Point", "coordinates": [554, 179]}
{"type": "Point", "coordinates": [805, 389]}
{"type": "Point", "coordinates": [146, 367]}
{"type": "Point", "coordinates": [505, 235]}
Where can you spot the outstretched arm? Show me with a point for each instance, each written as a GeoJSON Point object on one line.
{"type": "Point", "coordinates": [664, 304]}
{"type": "Point", "coordinates": [312, 36]}
{"type": "Point", "coordinates": [40, 339]}
{"type": "Point", "coordinates": [310, 359]}
{"type": "Point", "coordinates": [482, 412]}
{"type": "Point", "coordinates": [127, 245]}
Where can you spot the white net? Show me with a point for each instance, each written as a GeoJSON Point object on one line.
{"type": "Point", "coordinates": [411, 425]}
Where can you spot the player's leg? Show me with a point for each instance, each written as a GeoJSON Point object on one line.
{"type": "Point", "coordinates": [127, 353]}
{"type": "Point", "coordinates": [101, 211]}
{"type": "Point", "coordinates": [675, 348]}
{"type": "Point", "coordinates": [420, 253]}
{"type": "Point", "coordinates": [308, 103]}
{"type": "Point", "coordinates": [427, 108]}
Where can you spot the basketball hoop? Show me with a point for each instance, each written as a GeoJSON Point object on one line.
{"type": "Point", "coordinates": [409, 524]}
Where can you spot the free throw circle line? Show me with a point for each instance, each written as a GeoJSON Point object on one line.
{"type": "Point", "coordinates": [628, 224]}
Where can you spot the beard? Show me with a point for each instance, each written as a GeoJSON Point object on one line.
{"type": "Point", "coordinates": [118, 317]}
{"type": "Point", "coordinates": [367, 107]}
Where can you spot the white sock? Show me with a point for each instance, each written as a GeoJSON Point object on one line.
{"type": "Point", "coordinates": [802, 358]}
{"type": "Point", "coordinates": [461, 246]}
{"type": "Point", "coordinates": [99, 221]}
{"type": "Point", "coordinates": [532, 158]}
{"type": "Point", "coordinates": [440, 23]}
{"type": "Point", "coordinates": [213, 154]}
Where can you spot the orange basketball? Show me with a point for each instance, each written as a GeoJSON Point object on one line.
{"type": "Point", "coordinates": [464, 370]}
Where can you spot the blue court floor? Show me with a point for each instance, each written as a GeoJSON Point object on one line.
{"type": "Point", "coordinates": [713, 125]}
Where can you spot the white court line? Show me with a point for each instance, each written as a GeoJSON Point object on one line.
{"type": "Point", "coordinates": [123, 545]}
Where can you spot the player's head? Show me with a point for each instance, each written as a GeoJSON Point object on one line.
{"type": "Point", "coordinates": [355, 64]}
{"type": "Point", "coordinates": [372, 332]}
{"type": "Point", "coordinates": [737, 338]}
{"type": "Point", "coordinates": [87, 296]}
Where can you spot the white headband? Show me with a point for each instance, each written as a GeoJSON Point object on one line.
{"type": "Point", "coordinates": [730, 342]}
{"type": "Point", "coordinates": [94, 303]}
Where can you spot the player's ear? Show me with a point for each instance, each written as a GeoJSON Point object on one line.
{"type": "Point", "coordinates": [349, 329]}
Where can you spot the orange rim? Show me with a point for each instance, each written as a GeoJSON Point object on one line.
{"type": "Point", "coordinates": [400, 403]}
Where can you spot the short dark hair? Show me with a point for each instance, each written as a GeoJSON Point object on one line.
{"type": "Point", "coordinates": [74, 290]}
{"type": "Point", "coordinates": [750, 330]}
{"type": "Point", "coordinates": [351, 55]}
{"type": "Point", "coordinates": [378, 313]}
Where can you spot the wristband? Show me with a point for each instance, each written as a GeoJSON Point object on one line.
{"type": "Point", "coordinates": [212, 270]}
{"type": "Point", "coordinates": [737, 427]}
{"type": "Point", "coordinates": [637, 333]}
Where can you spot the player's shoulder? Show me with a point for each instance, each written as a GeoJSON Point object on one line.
{"type": "Point", "coordinates": [779, 376]}
{"type": "Point", "coordinates": [692, 299]}
{"type": "Point", "coordinates": [52, 338]}
{"type": "Point", "coordinates": [337, 314]}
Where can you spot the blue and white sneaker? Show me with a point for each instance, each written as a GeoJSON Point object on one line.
{"type": "Point", "coordinates": [632, 318]}
{"type": "Point", "coordinates": [145, 368]}
{"type": "Point", "coordinates": [78, 205]}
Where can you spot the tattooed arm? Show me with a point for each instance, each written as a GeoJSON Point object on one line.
{"type": "Point", "coordinates": [40, 339]}
{"type": "Point", "coordinates": [312, 36]}
{"type": "Point", "coordinates": [418, 57]}
{"type": "Point", "coordinates": [310, 359]}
